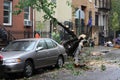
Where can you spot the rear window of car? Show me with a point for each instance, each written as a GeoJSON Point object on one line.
{"type": "Point", "coordinates": [50, 43]}
{"type": "Point", "coordinates": [54, 44]}
{"type": "Point", "coordinates": [42, 44]}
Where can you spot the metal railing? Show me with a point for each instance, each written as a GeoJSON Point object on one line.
{"type": "Point", "coordinates": [9, 35]}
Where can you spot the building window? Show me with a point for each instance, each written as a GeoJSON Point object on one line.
{"type": "Point", "coordinates": [105, 3]}
{"type": "Point", "coordinates": [100, 3]}
{"type": "Point", "coordinates": [7, 13]}
{"type": "Point", "coordinates": [96, 19]}
{"type": "Point", "coordinates": [95, 2]}
{"type": "Point", "coordinates": [27, 13]}
{"type": "Point", "coordinates": [90, 14]}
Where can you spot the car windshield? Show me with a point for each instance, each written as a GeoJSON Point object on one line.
{"type": "Point", "coordinates": [20, 46]}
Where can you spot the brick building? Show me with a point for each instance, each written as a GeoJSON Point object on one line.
{"type": "Point", "coordinates": [94, 11]}
{"type": "Point", "coordinates": [17, 26]}
{"type": "Point", "coordinates": [88, 10]}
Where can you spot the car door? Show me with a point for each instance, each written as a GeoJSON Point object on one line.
{"type": "Point", "coordinates": [52, 51]}
{"type": "Point", "coordinates": [41, 55]}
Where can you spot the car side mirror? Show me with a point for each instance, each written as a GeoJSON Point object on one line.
{"type": "Point", "coordinates": [39, 48]}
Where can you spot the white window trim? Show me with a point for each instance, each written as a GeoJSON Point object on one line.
{"type": "Point", "coordinates": [29, 15]}
{"type": "Point", "coordinates": [10, 23]}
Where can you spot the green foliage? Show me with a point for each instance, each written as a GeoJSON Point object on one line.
{"type": "Point", "coordinates": [103, 67]}
{"type": "Point", "coordinates": [56, 37]}
{"type": "Point", "coordinates": [39, 26]}
{"type": "Point", "coordinates": [115, 22]}
{"type": "Point", "coordinates": [76, 73]}
{"type": "Point", "coordinates": [70, 66]}
{"type": "Point", "coordinates": [41, 5]}
{"type": "Point", "coordinates": [115, 8]}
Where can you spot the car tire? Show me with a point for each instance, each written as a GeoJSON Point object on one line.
{"type": "Point", "coordinates": [60, 62]}
{"type": "Point", "coordinates": [28, 69]}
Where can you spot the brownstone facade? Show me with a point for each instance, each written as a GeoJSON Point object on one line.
{"type": "Point", "coordinates": [88, 8]}
{"type": "Point", "coordinates": [98, 10]}
{"type": "Point", "coordinates": [17, 27]}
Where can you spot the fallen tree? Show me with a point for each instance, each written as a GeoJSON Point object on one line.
{"type": "Point", "coordinates": [47, 8]}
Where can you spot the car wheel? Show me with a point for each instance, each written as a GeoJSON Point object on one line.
{"type": "Point", "coordinates": [28, 69]}
{"type": "Point", "coordinates": [60, 62]}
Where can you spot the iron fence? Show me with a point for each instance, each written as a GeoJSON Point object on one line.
{"type": "Point", "coordinates": [23, 34]}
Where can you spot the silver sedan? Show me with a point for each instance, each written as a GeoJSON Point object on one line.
{"type": "Point", "coordinates": [25, 55]}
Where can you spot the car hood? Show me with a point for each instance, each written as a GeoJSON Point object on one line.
{"type": "Point", "coordinates": [11, 54]}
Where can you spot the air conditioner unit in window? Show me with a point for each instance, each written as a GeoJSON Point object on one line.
{"type": "Point", "coordinates": [27, 23]}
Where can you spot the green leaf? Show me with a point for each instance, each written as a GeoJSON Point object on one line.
{"type": "Point", "coordinates": [103, 67]}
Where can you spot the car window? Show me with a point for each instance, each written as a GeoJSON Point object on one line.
{"type": "Point", "coordinates": [54, 44]}
{"type": "Point", "coordinates": [20, 46]}
{"type": "Point", "coordinates": [49, 43]}
{"type": "Point", "coordinates": [42, 44]}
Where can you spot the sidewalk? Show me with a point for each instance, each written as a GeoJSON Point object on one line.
{"type": "Point", "coordinates": [98, 50]}
{"type": "Point", "coordinates": [102, 48]}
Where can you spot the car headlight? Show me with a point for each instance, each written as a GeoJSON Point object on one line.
{"type": "Point", "coordinates": [16, 60]}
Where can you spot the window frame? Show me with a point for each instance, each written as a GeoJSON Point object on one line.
{"type": "Point", "coordinates": [9, 15]}
{"type": "Point", "coordinates": [28, 14]}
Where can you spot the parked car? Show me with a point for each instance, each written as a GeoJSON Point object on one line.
{"type": "Point", "coordinates": [25, 55]}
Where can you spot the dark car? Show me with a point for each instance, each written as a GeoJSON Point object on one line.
{"type": "Point", "coordinates": [25, 55]}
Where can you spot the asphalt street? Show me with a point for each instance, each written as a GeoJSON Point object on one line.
{"type": "Point", "coordinates": [111, 61]}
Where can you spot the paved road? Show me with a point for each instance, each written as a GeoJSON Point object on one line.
{"type": "Point", "coordinates": [112, 72]}
{"type": "Point", "coordinates": [111, 60]}
{"type": "Point", "coordinates": [112, 64]}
